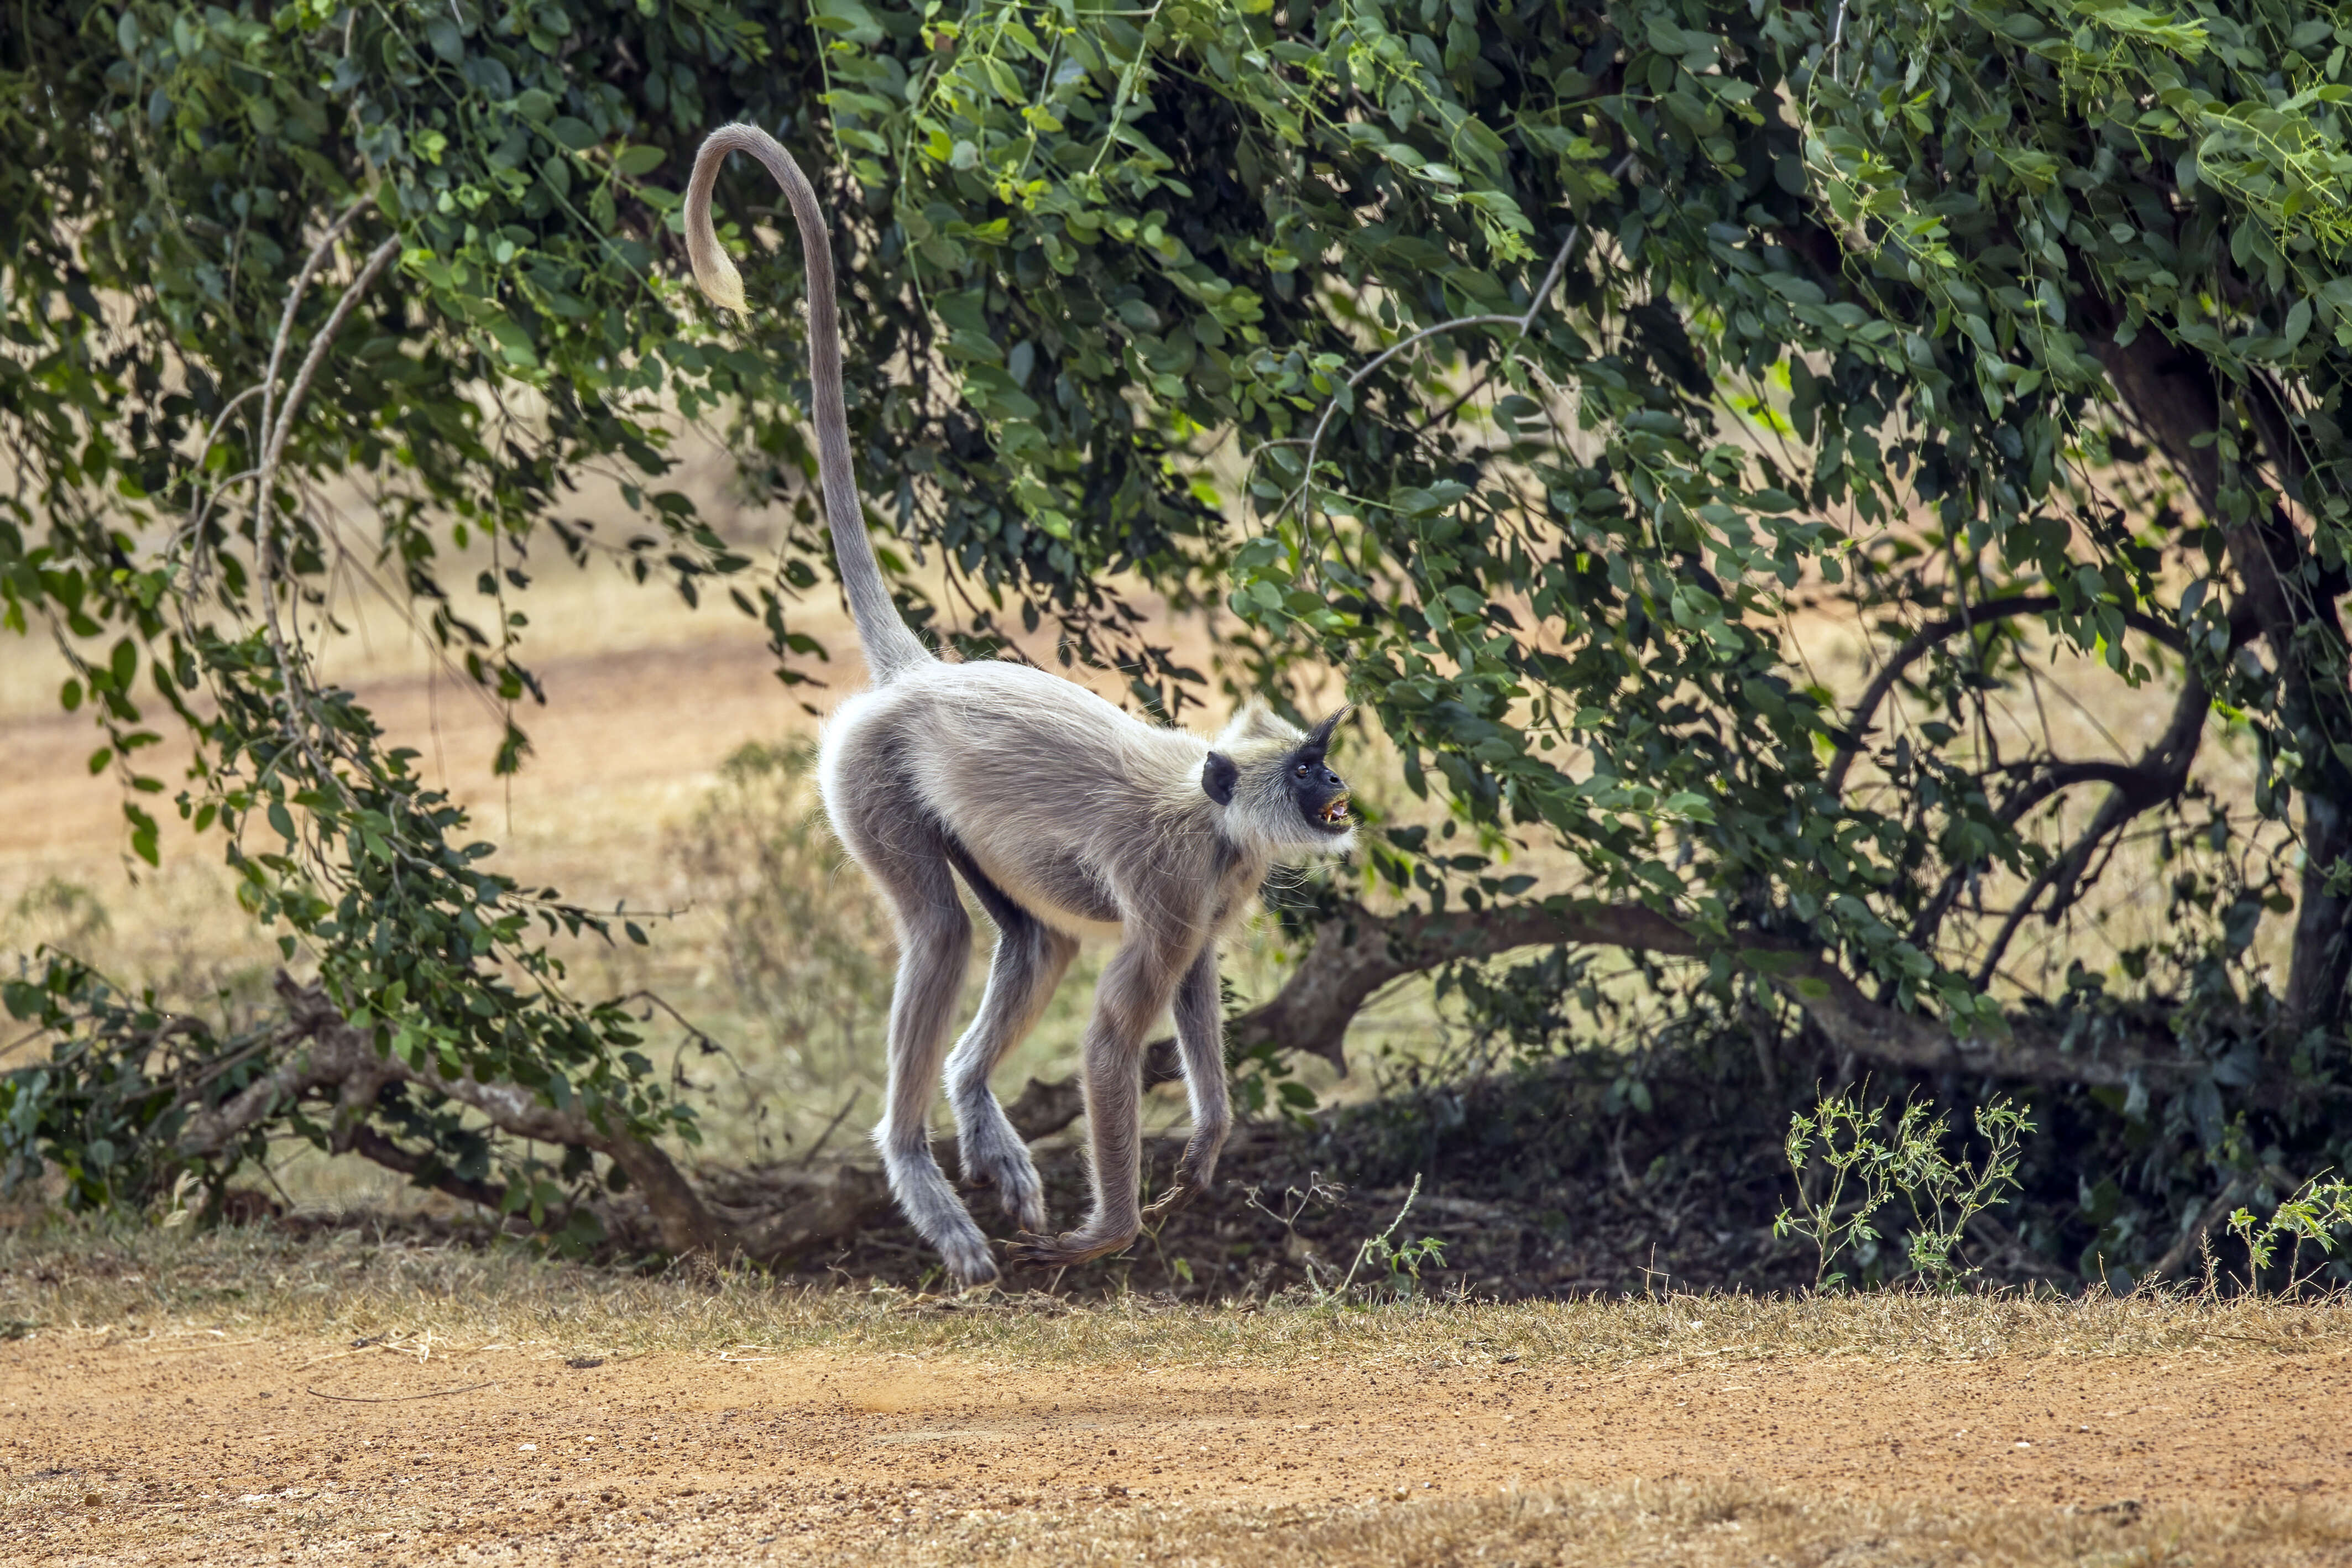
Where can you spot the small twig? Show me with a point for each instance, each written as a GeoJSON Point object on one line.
{"type": "Point", "coordinates": [1365, 1250]}
{"type": "Point", "coordinates": [398, 1398]}
{"type": "Point", "coordinates": [1125, 86]}
{"type": "Point", "coordinates": [1522, 324]}
{"type": "Point", "coordinates": [276, 437]}
{"type": "Point", "coordinates": [704, 1039]}
{"type": "Point", "coordinates": [838, 1118]}
{"type": "Point", "coordinates": [212, 431]}
{"type": "Point", "coordinates": [294, 302]}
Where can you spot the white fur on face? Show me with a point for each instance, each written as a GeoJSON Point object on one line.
{"type": "Point", "coordinates": [1263, 814]}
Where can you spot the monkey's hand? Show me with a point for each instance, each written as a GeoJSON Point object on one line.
{"type": "Point", "coordinates": [1029, 1250]}
{"type": "Point", "coordinates": [1196, 1172]}
{"type": "Point", "coordinates": [1181, 1191]}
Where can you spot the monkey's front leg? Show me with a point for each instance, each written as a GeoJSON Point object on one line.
{"type": "Point", "coordinates": [1200, 1039]}
{"type": "Point", "coordinates": [1135, 986]}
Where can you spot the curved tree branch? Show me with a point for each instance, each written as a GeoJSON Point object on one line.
{"type": "Point", "coordinates": [2164, 769]}
{"type": "Point", "coordinates": [1857, 723]}
{"type": "Point", "coordinates": [770, 1215]}
{"type": "Point", "coordinates": [2136, 787]}
{"type": "Point", "coordinates": [371, 1144]}
{"type": "Point", "coordinates": [332, 1055]}
{"type": "Point", "coordinates": [2159, 775]}
{"type": "Point", "coordinates": [1357, 953]}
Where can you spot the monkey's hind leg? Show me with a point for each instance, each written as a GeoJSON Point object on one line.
{"type": "Point", "coordinates": [934, 945]}
{"type": "Point", "coordinates": [1030, 959]}
{"type": "Point", "coordinates": [1201, 1038]}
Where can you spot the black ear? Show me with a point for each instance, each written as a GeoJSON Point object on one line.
{"type": "Point", "coordinates": [1218, 776]}
{"type": "Point", "coordinates": [1318, 738]}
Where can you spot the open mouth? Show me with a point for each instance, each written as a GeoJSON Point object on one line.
{"type": "Point", "coordinates": [1334, 813]}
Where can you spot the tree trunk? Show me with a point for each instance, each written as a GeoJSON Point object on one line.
{"type": "Point", "coordinates": [2174, 394]}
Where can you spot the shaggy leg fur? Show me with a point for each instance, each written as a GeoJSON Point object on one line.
{"type": "Point", "coordinates": [908, 859]}
{"type": "Point", "coordinates": [1030, 961]}
{"type": "Point", "coordinates": [1135, 986]}
{"type": "Point", "coordinates": [1201, 1038]}
{"type": "Point", "coordinates": [935, 944]}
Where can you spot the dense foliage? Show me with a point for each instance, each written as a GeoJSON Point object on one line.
{"type": "Point", "coordinates": [1563, 353]}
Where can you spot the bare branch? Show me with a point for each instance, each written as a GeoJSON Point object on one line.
{"type": "Point", "coordinates": [1522, 324]}
{"type": "Point", "coordinates": [770, 1213]}
{"type": "Point", "coordinates": [333, 1054]}
{"type": "Point", "coordinates": [265, 478]}
{"type": "Point", "coordinates": [1358, 953]}
{"type": "Point", "coordinates": [2176, 1257]}
{"type": "Point", "coordinates": [377, 260]}
{"type": "Point", "coordinates": [2163, 772]}
{"type": "Point", "coordinates": [1858, 719]}
{"type": "Point", "coordinates": [294, 293]}
{"type": "Point", "coordinates": [371, 1144]}
{"type": "Point", "coordinates": [2159, 775]}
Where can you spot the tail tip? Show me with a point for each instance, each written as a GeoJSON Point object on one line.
{"type": "Point", "coordinates": [721, 282]}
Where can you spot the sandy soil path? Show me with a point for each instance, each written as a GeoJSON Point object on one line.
{"type": "Point", "coordinates": [203, 1449]}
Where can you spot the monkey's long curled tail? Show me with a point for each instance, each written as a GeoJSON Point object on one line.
{"type": "Point", "coordinates": [890, 646]}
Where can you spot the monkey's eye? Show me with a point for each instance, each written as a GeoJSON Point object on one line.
{"type": "Point", "coordinates": [1302, 770]}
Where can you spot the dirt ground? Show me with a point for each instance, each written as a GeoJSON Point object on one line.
{"type": "Point", "coordinates": [197, 1446]}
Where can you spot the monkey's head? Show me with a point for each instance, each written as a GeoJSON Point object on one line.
{"type": "Point", "coordinates": [1275, 786]}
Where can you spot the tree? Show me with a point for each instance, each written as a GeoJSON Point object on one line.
{"type": "Point", "coordinates": [1564, 351]}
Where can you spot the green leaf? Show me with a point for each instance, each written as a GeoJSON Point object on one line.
{"type": "Point", "coordinates": [2298, 323]}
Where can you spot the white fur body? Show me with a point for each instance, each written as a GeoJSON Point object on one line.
{"type": "Point", "coordinates": [1080, 813]}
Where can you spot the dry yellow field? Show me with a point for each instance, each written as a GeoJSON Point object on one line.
{"type": "Point", "coordinates": [241, 1397]}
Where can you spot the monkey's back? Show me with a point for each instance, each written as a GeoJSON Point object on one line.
{"type": "Point", "coordinates": [1046, 786]}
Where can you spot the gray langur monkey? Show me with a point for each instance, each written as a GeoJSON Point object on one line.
{"type": "Point", "coordinates": [1064, 815]}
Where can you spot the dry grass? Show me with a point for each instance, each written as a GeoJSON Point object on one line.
{"type": "Point", "coordinates": [62, 1277]}
{"type": "Point", "coordinates": [1693, 1524]}
{"type": "Point", "coordinates": [777, 1457]}
{"type": "Point", "coordinates": [1688, 1524]}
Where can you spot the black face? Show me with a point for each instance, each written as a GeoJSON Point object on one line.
{"type": "Point", "coordinates": [1321, 794]}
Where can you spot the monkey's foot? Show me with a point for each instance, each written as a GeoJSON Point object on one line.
{"type": "Point", "coordinates": [1029, 1250]}
{"type": "Point", "coordinates": [968, 1261]}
